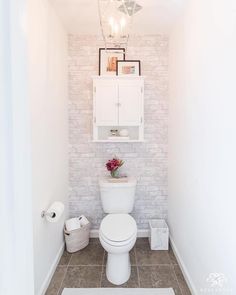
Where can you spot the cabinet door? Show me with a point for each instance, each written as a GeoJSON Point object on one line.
{"type": "Point", "coordinates": [130, 102]}
{"type": "Point", "coordinates": [106, 102]}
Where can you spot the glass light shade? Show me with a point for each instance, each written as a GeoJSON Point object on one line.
{"type": "Point", "coordinates": [116, 20]}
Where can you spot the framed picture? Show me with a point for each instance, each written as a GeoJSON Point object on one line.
{"type": "Point", "coordinates": [108, 58]}
{"type": "Point", "coordinates": [128, 68]}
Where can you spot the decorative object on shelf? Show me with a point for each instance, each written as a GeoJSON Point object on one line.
{"type": "Point", "coordinates": [128, 68]}
{"type": "Point", "coordinates": [108, 58]}
{"type": "Point", "coordinates": [113, 166]}
{"type": "Point", "coordinates": [114, 132]}
{"type": "Point", "coordinates": [116, 18]}
{"type": "Point", "coordinates": [124, 133]}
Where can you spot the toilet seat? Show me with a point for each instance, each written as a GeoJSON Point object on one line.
{"type": "Point", "coordinates": [118, 229]}
{"type": "Point", "coordinates": [117, 244]}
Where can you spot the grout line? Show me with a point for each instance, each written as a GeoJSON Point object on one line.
{"type": "Point", "coordinates": [135, 255]}
{"type": "Point", "coordinates": [177, 280]}
{"type": "Point", "coordinates": [64, 275]}
{"type": "Point", "coordinates": [77, 265]}
{"type": "Point", "coordinates": [103, 268]}
{"type": "Point", "coordinates": [158, 264]}
{"type": "Point", "coordinates": [173, 267]}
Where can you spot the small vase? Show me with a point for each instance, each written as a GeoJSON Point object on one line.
{"type": "Point", "coordinates": [115, 173]}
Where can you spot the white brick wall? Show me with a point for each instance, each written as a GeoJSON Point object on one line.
{"type": "Point", "coordinates": [146, 161]}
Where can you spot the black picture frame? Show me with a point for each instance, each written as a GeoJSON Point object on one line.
{"type": "Point", "coordinates": [128, 62]}
{"type": "Point", "coordinates": [101, 50]}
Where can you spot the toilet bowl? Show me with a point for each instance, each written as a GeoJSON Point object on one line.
{"type": "Point", "coordinates": [117, 234]}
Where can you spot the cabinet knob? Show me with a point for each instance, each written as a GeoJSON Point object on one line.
{"type": "Point", "coordinates": [118, 104]}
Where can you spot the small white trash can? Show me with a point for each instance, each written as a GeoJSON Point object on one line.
{"type": "Point", "coordinates": [158, 234]}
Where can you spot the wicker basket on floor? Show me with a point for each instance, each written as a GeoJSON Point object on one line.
{"type": "Point", "coordinates": [77, 239]}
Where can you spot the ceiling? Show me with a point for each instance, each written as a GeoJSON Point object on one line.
{"type": "Point", "coordinates": [81, 16]}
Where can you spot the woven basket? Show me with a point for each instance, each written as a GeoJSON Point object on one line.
{"type": "Point", "coordinates": [77, 239]}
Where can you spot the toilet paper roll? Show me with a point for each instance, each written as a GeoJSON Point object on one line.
{"type": "Point", "coordinates": [83, 220]}
{"type": "Point", "coordinates": [54, 212]}
{"type": "Point", "coordinates": [72, 224]}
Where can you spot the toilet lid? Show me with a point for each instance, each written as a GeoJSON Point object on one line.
{"type": "Point", "coordinates": [118, 227]}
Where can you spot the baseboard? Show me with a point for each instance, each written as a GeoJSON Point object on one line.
{"type": "Point", "coordinates": [183, 268]}
{"type": "Point", "coordinates": [142, 233]}
{"type": "Point", "coordinates": [52, 269]}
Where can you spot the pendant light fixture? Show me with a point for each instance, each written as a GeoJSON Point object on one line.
{"type": "Point", "coordinates": [116, 17]}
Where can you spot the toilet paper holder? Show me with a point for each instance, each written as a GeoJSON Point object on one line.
{"type": "Point", "coordinates": [44, 213]}
{"type": "Point", "coordinates": [54, 212]}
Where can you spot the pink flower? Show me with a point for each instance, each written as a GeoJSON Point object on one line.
{"type": "Point", "coordinates": [114, 164]}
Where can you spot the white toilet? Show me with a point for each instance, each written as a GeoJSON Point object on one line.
{"type": "Point", "coordinates": [118, 230]}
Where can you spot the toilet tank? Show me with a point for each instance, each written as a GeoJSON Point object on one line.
{"type": "Point", "coordinates": [117, 196]}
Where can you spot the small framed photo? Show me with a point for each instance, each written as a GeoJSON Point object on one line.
{"type": "Point", "coordinates": [108, 58]}
{"type": "Point", "coordinates": [128, 68]}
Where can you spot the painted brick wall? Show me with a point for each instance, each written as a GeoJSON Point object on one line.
{"type": "Point", "coordinates": [146, 161]}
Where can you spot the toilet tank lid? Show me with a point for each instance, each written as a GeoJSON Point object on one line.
{"type": "Point", "coordinates": [117, 182]}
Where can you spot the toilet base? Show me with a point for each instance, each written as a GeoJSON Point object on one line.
{"type": "Point", "coordinates": [118, 268]}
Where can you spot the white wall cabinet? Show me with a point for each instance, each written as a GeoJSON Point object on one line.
{"type": "Point", "coordinates": [118, 104]}
{"type": "Point", "coordinates": [106, 103]}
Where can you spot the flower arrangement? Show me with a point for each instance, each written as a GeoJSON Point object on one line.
{"type": "Point", "coordinates": [113, 166]}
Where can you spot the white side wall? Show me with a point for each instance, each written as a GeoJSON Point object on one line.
{"type": "Point", "coordinates": [16, 246]}
{"type": "Point", "coordinates": [48, 93]}
{"type": "Point", "coordinates": [202, 142]}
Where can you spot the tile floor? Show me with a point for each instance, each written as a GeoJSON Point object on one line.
{"type": "Point", "coordinates": [150, 269]}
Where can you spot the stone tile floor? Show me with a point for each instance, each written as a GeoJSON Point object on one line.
{"type": "Point", "coordinates": [150, 269]}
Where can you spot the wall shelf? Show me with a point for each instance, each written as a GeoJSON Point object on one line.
{"type": "Point", "coordinates": [118, 141]}
{"type": "Point", "coordinates": [113, 77]}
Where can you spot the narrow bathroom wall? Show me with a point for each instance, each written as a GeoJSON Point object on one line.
{"type": "Point", "coordinates": [147, 161]}
{"type": "Point", "coordinates": [202, 145]}
{"type": "Point", "coordinates": [48, 107]}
